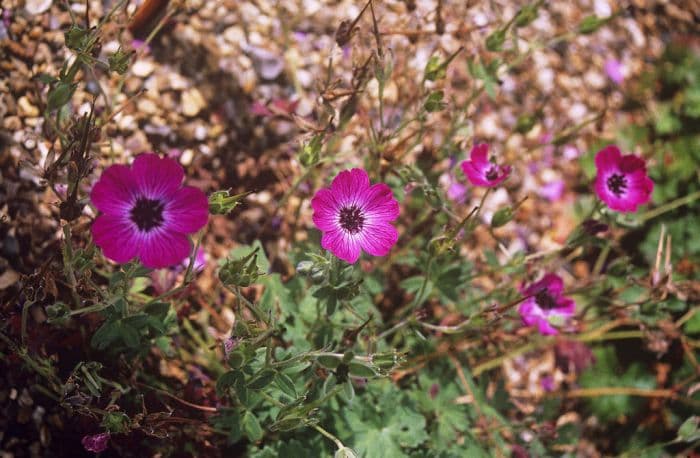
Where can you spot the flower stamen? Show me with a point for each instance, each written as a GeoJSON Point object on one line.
{"type": "Point", "coordinates": [492, 173]}
{"type": "Point", "coordinates": [617, 184]}
{"type": "Point", "coordinates": [351, 219]}
{"type": "Point", "coordinates": [147, 214]}
{"type": "Point", "coordinates": [545, 300]}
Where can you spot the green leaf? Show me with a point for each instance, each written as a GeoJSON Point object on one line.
{"type": "Point", "coordinates": [434, 102]}
{"type": "Point", "coordinates": [105, 335]}
{"type": "Point", "coordinates": [116, 422]}
{"type": "Point", "coordinates": [591, 23]}
{"type": "Point", "coordinates": [502, 217]}
{"type": "Point", "coordinates": [310, 153]}
{"type": "Point", "coordinates": [330, 362]}
{"type": "Point", "coordinates": [251, 426]}
{"type": "Point", "coordinates": [608, 372]}
{"type": "Point", "coordinates": [494, 42]}
{"type": "Point", "coordinates": [286, 385]}
{"type": "Point", "coordinates": [692, 326]}
{"type": "Point", "coordinates": [236, 359]}
{"type": "Point", "coordinates": [264, 378]}
{"type": "Point", "coordinates": [348, 390]}
{"type": "Point", "coordinates": [689, 431]}
{"type": "Point", "coordinates": [361, 370]}
{"type": "Point", "coordinates": [60, 95]}
{"type": "Point", "coordinates": [436, 70]}
{"type": "Point", "coordinates": [433, 69]}
{"type": "Point", "coordinates": [225, 381]}
{"type": "Point", "coordinates": [46, 78]}
{"type": "Point", "coordinates": [158, 310]}
{"type": "Point", "coordinates": [129, 335]}
{"type": "Point", "coordinates": [527, 14]}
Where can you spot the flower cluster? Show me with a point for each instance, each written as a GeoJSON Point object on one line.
{"type": "Point", "coordinates": [147, 213]}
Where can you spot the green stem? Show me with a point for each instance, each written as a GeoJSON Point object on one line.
{"type": "Point", "coordinates": [600, 262]}
{"type": "Point", "coordinates": [259, 315]}
{"type": "Point", "coordinates": [67, 252]}
{"type": "Point", "coordinates": [328, 435]}
{"type": "Point", "coordinates": [589, 337]}
{"type": "Point", "coordinates": [667, 207]}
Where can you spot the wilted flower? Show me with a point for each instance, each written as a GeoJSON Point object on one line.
{"type": "Point", "coordinates": [546, 307]}
{"type": "Point", "coordinates": [146, 212]}
{"type": "Point", "coordinates": [354, 215]}
{"type": "Point", "coordinates": [96, 443]}
{"type": "Point", "coordinates": [456, 190]}
{"type": "Point", "coordinates": [573, 356]}
{"type": "Point", "coordinates": [622, 181]}
{"type": "Point", "coordinates": [482, 172]}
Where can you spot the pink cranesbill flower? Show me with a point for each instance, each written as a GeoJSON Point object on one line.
{"type": "Point", "coordinates": [96, 443]}
{"type": "Point", "coordinates": [146, 212]}
{"type": "Point", "coordinates": [354, 215]}
{"type": "Point", "coordinates": [546, 306]}
{"type": "Point", "coordinates": [482, 172]}
{"type": "Point", "coordinates": [622, 181]}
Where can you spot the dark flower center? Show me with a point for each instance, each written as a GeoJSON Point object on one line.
{"type": "Point", "coordinates": [492, 173]}
{"type": "Point", "coordinates": [545, 300]}
{"type": "Point", "coordinates": [617, 184]}
{"type": "Point", "coordinates": [147, 213]}
{"type": "Point", "coordinates": [351, 219]}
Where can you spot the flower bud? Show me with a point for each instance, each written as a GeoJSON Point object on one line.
{"type": "Point", "coordinates": [223, 203]}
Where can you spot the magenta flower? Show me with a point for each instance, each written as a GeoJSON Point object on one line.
{"type": "Point", "coordinates": [146, 212]}
{"type": "Point", "coordinates": [482, 172]}
{"type": "Point", "coordinates": [354, 215]}
{"type": "Point", "coordinates": [622, 181]}
{"type": "Point", "coordinates": [96, 443]}
{"type": "Point", "coordinates": [546, 306]}
{"type": "Point", "coordinates": [613, 68]}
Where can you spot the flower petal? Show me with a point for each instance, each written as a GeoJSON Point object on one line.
{"type": "Point", "coordinates": [187, 212]}
{"type": "Point", "coordinates": [475, 174]}
{"type": "Point", "coordinates": [326, 209]}
{"type": "Point", "coordinates": [545, 328]}
{"type": "Point", "coordinates": [551, 282]}
{"type": "Point", "coordinates": [378, 204]}
{"type": "Point", "coordinates": [163, 248]}
{"type": "Point", "coordinates": [348, 184]}
{"type": "Point", "coordinates": [566, 308]}
{"type": "Point", "coordinates": [157, 177]}
{"type": "Point", "coordinates": [479, 155]}
{"type": "Point", "coordinates": [377, 239]}
{"type": "Point", "coordinates": [114, 191]}
{"type": "Point", "coordinates": [117, 237]}
{"type": "Point", "coordinates": [608, 158]}
{"type": "Point", "coordinates": [530, 312]}
{"type": "Point", "coordinates": [631, 163]}
{"type": "Point", "coordinates": [342, 245]}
